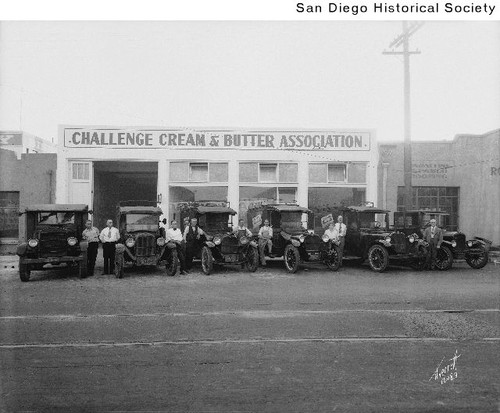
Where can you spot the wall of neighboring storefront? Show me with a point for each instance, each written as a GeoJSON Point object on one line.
{"type": "Point", "coordinates": [25, 181]}
{"type": "Point", "coordinates": [460, 176]}
{"type": "Point", "coordinates": [313, 168]}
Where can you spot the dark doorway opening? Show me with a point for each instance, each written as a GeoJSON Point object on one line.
{"type": "Point", "coordinates": [116, 181]}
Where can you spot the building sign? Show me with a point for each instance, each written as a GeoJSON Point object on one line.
{"type": "Point", "coordinates": [213, 139]}
{"type": "Point", "coordinates": [431, 170]}
{"type": "Point", "coordinates": [11, 138]}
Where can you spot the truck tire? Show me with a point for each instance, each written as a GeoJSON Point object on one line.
{"type": "Point", "coordinates": [292, 258]}
{"type": "Point", "coordinates": [444, 258]}
{"type": "Point", "coordinates": [378, 257]}
{"type": "Point", "coordinates": [171, 265]}
{"type": "Point", "coordinates": [82, 266]}
{"type": "Point", "coordinates": [252, 257]}
{"type": "Point", "coordinates": [119, 263]}
{"type": "Point", "coordinates": [24, 271]}
{"type": "Point", "coordinates": [207, 260]}
{"type": "Point", "coordinates": [332, 260]}
{"type": "Point", "coordinates": [477, 260]}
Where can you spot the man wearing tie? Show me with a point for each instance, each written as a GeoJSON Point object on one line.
{"type": "Point", "coordinates": [341, 230]}
{"type": "Point", "coordinates": [109, 237]}
{"type": "Point", "coordinates": [434, 236]}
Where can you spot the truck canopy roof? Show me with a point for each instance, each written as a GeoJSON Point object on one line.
{"type": "Point", "coordinates": [287, 208]}
{"type": "Point", "coordinates": [152, 210]}
{"type": "Point", "coordinates": [215, 210]}
{"type": "Point", "coordinates": [56, 208]}
{"type": "Point", "coordinates": [365, 209]}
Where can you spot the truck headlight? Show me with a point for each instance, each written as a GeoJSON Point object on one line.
{"type": "Point", "coordinates": [33, 243]}
{"type": "Point", "coordinates": [325, 238]}
{"type": "Point", "coordinates": [160, 242]}
{"type": "Point", "coordinates": [244, 240]}
{"type": "Point", "coordinates": [469, 244]}
{"type": "Point", "coordinates": [411, 238]}
{"type": "Point", "coordinates": [72, 241]}
{"type": "Point", "coordinates": [302, 238]}
{"type": "Point", "coordinates": [217, 240]}
{"type": "Point", "coordinates": [130, 242]}
{"type": "Point", "coordinates": [453, 243]}
{"type": "Point", "coordinates": [388, 239]}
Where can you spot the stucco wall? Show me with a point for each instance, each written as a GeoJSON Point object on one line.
{"type": "Point", "coordinates": [470, 162]}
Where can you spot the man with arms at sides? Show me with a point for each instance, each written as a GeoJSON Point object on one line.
{"type": "Point", "coordinates": [109, 237]}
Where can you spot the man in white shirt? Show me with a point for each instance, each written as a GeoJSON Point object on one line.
{"type": "Point", "coordinates": [175, 234]}
{"type": "Point", "coordinates": [241, 227]}
{"type": "Point", "coordinates": [109, 237]}
{"type": "Point", "coordinates": [265, 239]}
{"type": "Point", "coordinates": [342, 230]}
{"type": "Point", "coordinates": [331, 232]}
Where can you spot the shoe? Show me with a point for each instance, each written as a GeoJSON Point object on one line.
{"type": "Point", "coordinates": [182, 273]}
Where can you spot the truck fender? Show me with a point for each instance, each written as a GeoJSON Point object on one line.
{"type": "Point", "coordinates": [22, 249]}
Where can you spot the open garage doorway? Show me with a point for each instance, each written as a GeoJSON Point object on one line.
{"type": "Point", "coordinates": [116, 181]}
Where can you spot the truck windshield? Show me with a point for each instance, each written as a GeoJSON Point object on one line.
{"type": "Point", "coordinates": [215, 222]}
{"type": "Point", "coordinates": [141, 219]}
{"type": "Point", "coordinates": [295, 221]}
{"type": "Point", "coordinates": [56, 218]}
{"type": "Point", "coordinates": [372, 220]}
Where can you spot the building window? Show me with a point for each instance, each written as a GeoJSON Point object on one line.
{"type": "Point", "coordinates": [325, 200]}
{"type": "Point", "coordinates": [284, 172]}
{"type": "Point", "coordinates": [9, 214]}
{"type": "Point", "coordinates": [81, 171]}
{"type": "Point", "coordinates": [198, 172]}
{"type": "Point", "coordinates": [267, 172]}
{"type": "Point", "coordinates": [340, 173]}
{"type": "Point", "coordinates": [445, 199]}
{"type": "Point", "coordinates": [336, 173]}
{"type": "Point", "coordinates": [251, 196]}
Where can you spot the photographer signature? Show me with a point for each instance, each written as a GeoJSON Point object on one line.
{"type": "Point", "coordinates": [448, 372]}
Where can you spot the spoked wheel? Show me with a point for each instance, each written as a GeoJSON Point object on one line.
{"type": "Point", "coordinates": [24, 271]}
{"type": "Point", "coordinates": [477, 260]}
{"type": "Point", "coordinates": [207, 260]}
{"type": "Point", "coordinates": [119, 263]}
{"type": "Point", "coordinates": [292, 258]}
{"type": "Point", "coordinates": [378, 258]}
{"type": "Point", "coordinates": [444, 258]}
{"type": "Point", "coordinates": [252, 259]}
{"type": "Point", "coordinates": [332, 260]}
{"type": "Point", "coordinates": [171, 265]}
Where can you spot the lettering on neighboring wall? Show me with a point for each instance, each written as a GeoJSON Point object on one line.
{"type": "Point", "coordinates": [495, 171]}
{"type": "Point", "coordinates": [11, 139]}
{"type": "Point", "coordinates": [431, 170]}
{"type": "Point", "coordinates": [200, 139]}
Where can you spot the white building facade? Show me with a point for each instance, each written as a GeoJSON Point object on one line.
{"type": "Point", "coordinates": [102, 165]}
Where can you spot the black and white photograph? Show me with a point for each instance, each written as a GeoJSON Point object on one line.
{"type": "Point", "coordinates": [251, 214]}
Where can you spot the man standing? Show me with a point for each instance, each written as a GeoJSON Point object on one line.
{"type": "Point", "coordinates": [109, 237]}
{"type": "Point", "coordinates": [91, 235]}
{"type": "Point", "coordinates": [434, 236]}
{"type": "Point", "coordinates": [342, 230]}
{"type": "Point", "coordinates": [265, 239]}
{"type": "Point", "coordinates": [175, 234]}
{"type": "Point", "coordinates": [192, 234]}
{"type": "Point", "coordinates": [241, 227]}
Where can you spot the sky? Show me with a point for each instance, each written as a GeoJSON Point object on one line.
{"type": "Point", "coordinates": [249, 74]}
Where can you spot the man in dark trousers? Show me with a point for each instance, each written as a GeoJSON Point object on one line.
{"type": "Point", "coordinates": [192, 235]}
{"type": "Point", "coordinates": [109, 237]}
{"type": "Point", "coordinates": [91, 235]}
{"type": "Point", "coordinates": [434, 236]}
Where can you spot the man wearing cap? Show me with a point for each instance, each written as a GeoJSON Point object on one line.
{"type": "Point", "coordinates": [109, 237]}
{"type": "Point", "coordinates": [434, 236]}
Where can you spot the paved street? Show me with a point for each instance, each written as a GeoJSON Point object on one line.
{"type": "Point", "coordinates": [236, 341]}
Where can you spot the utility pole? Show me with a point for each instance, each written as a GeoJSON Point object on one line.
{"type": "Point", "coordinates": [404, 40]}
